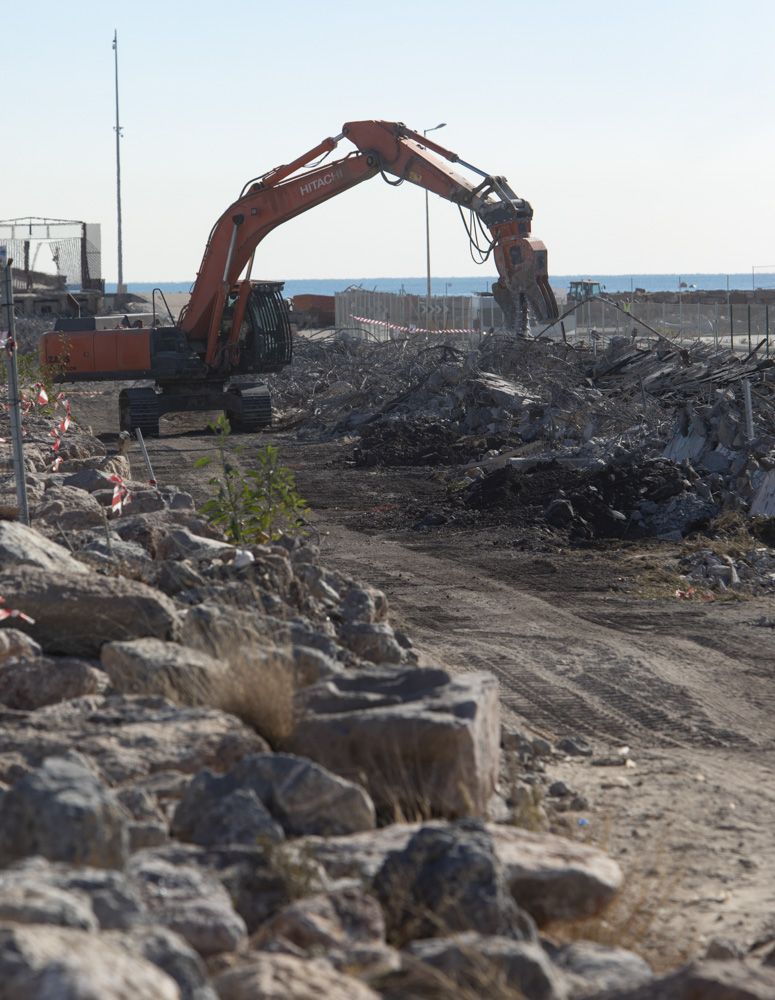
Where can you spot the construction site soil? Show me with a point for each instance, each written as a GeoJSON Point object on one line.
{"type": "Point", "coordinates": [589, 641]}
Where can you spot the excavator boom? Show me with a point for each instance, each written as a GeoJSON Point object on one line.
{"type": "Point", "coordinates": [234, 329]}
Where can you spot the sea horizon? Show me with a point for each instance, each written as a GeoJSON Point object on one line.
{"type": "Point", "coordinates": [476, 284]}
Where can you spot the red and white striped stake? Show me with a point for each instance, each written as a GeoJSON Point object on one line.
{"type": "Point", "coordinates": [121, 495]}
{"type": "Point", "coordinates": [14, 613]}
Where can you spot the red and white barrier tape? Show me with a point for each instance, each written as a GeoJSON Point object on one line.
{"type": "Point", "coordinates": [13, 613]}
{"type": "Point", "coordinates": [407, 329]}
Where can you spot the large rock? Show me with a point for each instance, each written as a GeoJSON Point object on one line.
{"type": "Point", "coordinates": [550, 877]}
{"type": "Point", "coordinates": [261, 879]}
{"type": "Point", "coordinates": [476, 965]}
{"type": "Point", "coordinates": [301, 796]}
{"type": "Point", "coordinates": [26, 898]}
{"type": "Point", "coordinates": [112, 899]}
{"type": "Point", "coordinates": [188, 901]}
{"type": "Point", "coordinates": [346, 925]}
{"type": "Point", "coordinates": [27, 685]}
{"type": "Point", "coordinates": [593, 968]}
{"type": "Point", "coordinates": [127, 738]}
{"type": "Point", "coordinates": [282, 977]}
{"type": "Point", "coordinates": [67, 508]}
{"type": "Point", "coordinates": [170, 953]}
{"type": "Point", "coordinates": [152, 666]}
{"type": "Point", "coordinates": [50, 963]}
{"type": "Point", "coordinates": [423, 742]}
{"type": "Point", "coordinates": [76, 612]}
{"type": "Point", "coordinates": [63, 812]}
{"type": "Point", "coordinates": [448, 879]}
{"type": "Point", "coordinates": [23, 546]}
{"type": "Point", "coordinates": [17, 646]}
{"type": "Point", "coordinates": [554, 878]}
{"type": "Point", "coordinates": [372, 641]}
{"type": "Point", "coordinates": [707, 980]}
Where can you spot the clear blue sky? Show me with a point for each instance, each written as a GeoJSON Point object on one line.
{"type": "Point", "coordinates": [641, 133]}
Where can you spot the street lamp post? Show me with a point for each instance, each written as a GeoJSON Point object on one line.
{"type": "Point", "coordinates": [425, 131]}
{"type": "Point", "coordinates": [120, 287]}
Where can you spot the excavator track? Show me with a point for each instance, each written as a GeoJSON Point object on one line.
{"type": "Point", "coordinates": [249, 409]}
{"type": "Point", "coordinates": [139, 409]}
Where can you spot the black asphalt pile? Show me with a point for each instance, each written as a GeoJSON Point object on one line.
{"type": "Point", "coordinates": [415, 441]}
{"type": "Point", "coordinates": [632, 498]}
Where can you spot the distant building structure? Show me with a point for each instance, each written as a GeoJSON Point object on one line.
{"type": "Point", "coordinates": [57, 265]}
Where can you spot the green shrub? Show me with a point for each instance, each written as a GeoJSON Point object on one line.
{"type": "Point", "coordinates": [254, 505]}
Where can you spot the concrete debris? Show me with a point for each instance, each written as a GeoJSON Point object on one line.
{"type": "Point", "coordinates": [629, 442]}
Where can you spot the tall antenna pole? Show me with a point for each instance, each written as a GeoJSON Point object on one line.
{"type": "Point", "coordinates": [120, 288]}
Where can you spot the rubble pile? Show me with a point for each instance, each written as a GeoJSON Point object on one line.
{"type": "Point", "coordinates": [641, 439]}
{"type": "Point", "coordinates": [752, 572]}
{"type": "Point", "coordinates": [339, 381]}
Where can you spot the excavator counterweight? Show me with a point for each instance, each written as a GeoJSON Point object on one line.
{"type": "Point", "coordinates": [235, 329]}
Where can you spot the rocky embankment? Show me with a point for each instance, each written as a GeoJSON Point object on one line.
{"type": "Point", "coordinates": [223, 775]}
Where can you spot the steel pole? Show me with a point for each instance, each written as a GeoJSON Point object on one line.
{"type": "Point", "coordinates": [427, 262]}
{"type": "Point", "coordinates": [14, 400]}
{"type": "Point", "coordinates": [425, 131]}
{"type": "Point", "coordinates": [120, 289]}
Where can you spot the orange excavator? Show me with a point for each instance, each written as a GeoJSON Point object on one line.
{"type": "Point", "coordinates": [234, 329]}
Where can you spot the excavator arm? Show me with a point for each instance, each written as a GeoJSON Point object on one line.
{"type": "Point", "coordinates": [389, 148]}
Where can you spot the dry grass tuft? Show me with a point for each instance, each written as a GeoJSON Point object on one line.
{"type": "Point", "coordinates": [638, 917]}
{"type": "Point", "coordinates": [258, 684]}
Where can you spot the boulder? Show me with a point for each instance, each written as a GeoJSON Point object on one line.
{"type": "Point", "coordinates": [301, 796]}
{"type": "Point", "coordinates": [63, 812]}
{"type": "Point", "coordinates": [594, 968]}
{"type": "Point", "coordinates": [280, 977]}
{"type": "Point", "coordinates": [106, 895]}
{"type": "Point", "coordinates": [211, 817]}
{"type": "Point", "coordinates": [152, 666]}
{"type": "Point", "coordinates": [188, 901]}
{"type": "Point", "coordinates": [25, 898]}
{"type": "Point", "coordinates": [67, 508]}
{"type": "Point", "coordinates": [550, 877]}
{"type": "Point", "coordinates": [89, 479]}
{"type": "Point", "coordinates": [361, 603]}
{"type": "Point", "coordinates": [181, 543]}
{"type": "Point", "coordinates": [127, 738]}
{"type": "Point", "coordinates": [27, 685]}
{"type": "Point", "coordinates": [16, 645]}
{"type": "Point", "coordinates": [554, 878]}
{"type": "Point", "coordinates": [448, 879]}
{"type": "Point", "coordinates": [76, 612]}
{"type": "Point", "coordinates": [260, 879]}
{"type": "Point", "coordinates": [345, 925]}
{"type": "Point", "coordinates": [62, 962]}
{"type": "Point", "coordinates": [424, 743]}
{"type": "Point", "coordinates": [23, 546]}
{"type": "Point", "coordinates": [482, 965]}
{"type": "Point", "coordinates": [707, 980]}
{"type": "Point", "coordinates": [170, 953]}
{"type": "Point", "coordinates": [375, 642]}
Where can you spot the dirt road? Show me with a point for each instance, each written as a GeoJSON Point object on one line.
{"type": "Point", "coordinates": [689, 688]}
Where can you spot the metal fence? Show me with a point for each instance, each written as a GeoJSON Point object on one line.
{"type": "Point", "coordinates": [386, 311]}
{"type": "Point", "coordinates": [739, 326]}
